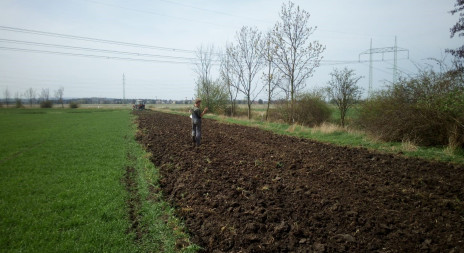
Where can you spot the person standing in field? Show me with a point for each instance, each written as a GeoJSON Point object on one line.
{"type": "Point", "coordinates": [197, 114]}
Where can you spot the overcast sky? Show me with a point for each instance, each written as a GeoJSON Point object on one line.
{"type": "Point", "coordinates": [175, 29]}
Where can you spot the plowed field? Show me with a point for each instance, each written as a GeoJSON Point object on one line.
{"type": "Point", "coordinates": [249, 190]}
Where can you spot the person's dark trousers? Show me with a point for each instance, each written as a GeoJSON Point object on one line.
{"type": "Point", "coordinates": [196, 133]}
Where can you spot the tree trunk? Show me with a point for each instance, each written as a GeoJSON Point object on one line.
{"type": "Point", "coordinates": [292, 118]}
{"type": "Point", "coordinates": [269, 80]}
{"type": "Point", "coordinates": [249, 106]}
{"type": "Point", "coordinates": [232, 109]}
{"type": "Point", "coordinates": [268, 104]}
{"type": "Point", "coordinates": [249, 109]}
{"type": "Point", "coordinates": [342, 117]}
{"type": "Point", "coordinates": [231, 104]}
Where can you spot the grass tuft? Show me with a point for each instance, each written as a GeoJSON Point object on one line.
{"type": "Point", "coordinates": [328, 128]}
{"type": "Point", "coordinates": [408, 145]}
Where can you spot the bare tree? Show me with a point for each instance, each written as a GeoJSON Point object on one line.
{"type": "Point", "coordinates": [458, 28]}
{"type": "Point", "coordinates": [343, 90]}
{"type": "Point", "coordinates": [229, 79]}
{"type": "Point", "coordinates": [6, 93]}
{"type": "Point", "coordinates": [246, 63]}
{"type": "Point", "coordinates": [203, 67]}
{"type": "Point", "coordinates": [18, 100]}
{"type": "Point", "coordinates": [295, 56]}
{"type": "Point", "coordinates": [45, 95]}
{"type": "Point", "coordinates": [270, 77]}
{"type": "Point", "coordinates": [30, 95]}
{"type": "Point", "coordinates": [59, 96]}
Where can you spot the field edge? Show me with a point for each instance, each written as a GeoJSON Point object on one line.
{"type": "Point", "coordinates": [154, 223]}
{"type": "Point", "coordinates": [342, 138]}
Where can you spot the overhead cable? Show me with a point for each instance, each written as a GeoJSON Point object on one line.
{"type": "Point", "coordinates": [91, 56]}
{"type": "Point", "coordinates": [66, 36]}
{"type": "Point", "coordinates": [93, 49]}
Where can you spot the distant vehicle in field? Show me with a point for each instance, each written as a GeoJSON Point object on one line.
{"type": "Point", "coordinates": [139, 105]}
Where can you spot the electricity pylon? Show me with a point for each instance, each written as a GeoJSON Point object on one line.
{"type": "Point", "coordinates": [123, 89]}
{"type": "Point", "coordinates": [395, 49]}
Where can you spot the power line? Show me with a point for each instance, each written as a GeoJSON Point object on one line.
{"type": "Point", "coordinates": [188, 60]}
{"type": "Point", "coordinates": [66, 36]}
{"type": "Point", "coordinates": [149, 12]}
{"type": "Point", "coordinates": [93, 49]}
{"type": "Point", "coordinates": [212, 11]}
{"type": "Point", "coordinates": [82, 83]}
{"type": "Point", "coordinates": [221, 13]}
{"type": "Point", "coordinates": [382, 51]}
{"type": "Point", "coordinates": [47, 78]}
{"type": "Point", "coordinates": [90, 56]}
{"type": "Point", "coordinates": [379, 69]}
{"type": "Point", "coordinates": [123, 89]}
{"type": "Point", "coordinates": [355, 33]}
{"type": "Point", "coordinates": [333, 63]}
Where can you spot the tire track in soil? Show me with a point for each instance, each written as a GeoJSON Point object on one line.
{"type": "Point", "coordinates": [134, 202]}
{"type": "Point", "coordinates": [249, 190]}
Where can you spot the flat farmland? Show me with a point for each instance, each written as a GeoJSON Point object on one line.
{"type": "Point", "coordinates": [249, 190]}
{"type": "Point", "coordinates": [77, 181]}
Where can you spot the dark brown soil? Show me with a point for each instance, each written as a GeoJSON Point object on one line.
{"type": "Point", "coordinates": [133, 202]}
{"type": "Point", "coordinates": [249, 190]}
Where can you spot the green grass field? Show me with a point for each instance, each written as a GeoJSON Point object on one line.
{"type": "Point", "coordinates": [62, 185]}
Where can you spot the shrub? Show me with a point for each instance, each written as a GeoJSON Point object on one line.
{"type": "Point", "coordinates": [392, 120]}
{"type": "Point", "coordinates": [309, 111]}
{"type": "Point", "coordinates": [280, 112]}
{"type": "Point", "coordinates": [73, 105]}
{"type": "Point", "coordinates": [239, 111]}
{"type": "Point", "coordinates": [46, 104]}
{"type": "Point", "coordinates": [425, 109]}
{"type": "Point", "coordinates": [213, 96]}
{"type": "Point", "coordinates": [18, 103]}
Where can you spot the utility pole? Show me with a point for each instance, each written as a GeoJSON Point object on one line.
{"type": "Point", "coordinates": [395, 62]}
{"type": "Point", "coordinates": [395, 49]}
{"type": "Point", "coordinates": [369, 91]}
{"type": "Point", "coordinates": [123, 89]}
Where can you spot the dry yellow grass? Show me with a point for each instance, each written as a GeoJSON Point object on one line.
{"type": "Point", "coordinates": [451, 148]}
{"type": "Point", "coordinates": [297, 128]}
{"type": "Point", "coordinates": [328, 128]}
{"type": "Point", "coordinates": [374, 138]}
{"type": "Point", "coordinates": [291, 128]}
{"type": "Point", "coordinates": [408, 145]}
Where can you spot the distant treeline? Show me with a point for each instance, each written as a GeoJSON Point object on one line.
{"type": "Point", "coordinates": [98, 100]}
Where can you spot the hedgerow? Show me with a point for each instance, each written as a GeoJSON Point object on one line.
{"type": "Point", "coordinates": [427, 108]}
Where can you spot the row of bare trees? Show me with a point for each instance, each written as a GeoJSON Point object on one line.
{"type": "Point", "coordinates": [31, 96]}
{"type": "Point", "coordinates": [282, 58]}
